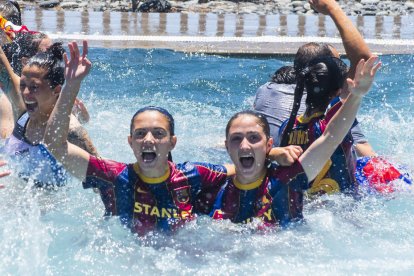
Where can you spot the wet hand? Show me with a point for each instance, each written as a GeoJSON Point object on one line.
{"type": "Point", "coordinates": [364, 76]}
{"type": "Point", "coordinates": [78, 66]}
{"type": "Point", "coordinates": [323, 6]}
{"type": "Point", "coordinates": [286, 156]}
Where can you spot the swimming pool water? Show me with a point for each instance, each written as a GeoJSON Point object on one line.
{"type": "Point", "coordinates": [63, 233]}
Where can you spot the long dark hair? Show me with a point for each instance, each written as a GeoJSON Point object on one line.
{"type": "Point", "coordinates": [284, 75]}
{"type": "Point", "coordinates": [322, 78]}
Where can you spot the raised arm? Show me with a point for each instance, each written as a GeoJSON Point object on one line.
{"type": "Point", "coordinates": [354, 44]}
{"type": "Point", "coordinates": [11, 85]}
{"type": "Point", "coordinates": [315, 157]}
{"type": "Point", "coordinates": [72, 157]}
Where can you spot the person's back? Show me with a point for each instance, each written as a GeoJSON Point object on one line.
{"type": "Point", "coordinates": [323, 79]}
{"type": "Point", "coordinates": [271, 95]}
{"type": "Point", "coordinates": [274, 99]}
{"type": "Point", "coordinates": [339, 173]}
{"type": "Point", "coordinates": [355, 48]}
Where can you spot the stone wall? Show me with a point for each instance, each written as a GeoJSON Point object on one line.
{"type": "Point", "coordinates": [352, 7]}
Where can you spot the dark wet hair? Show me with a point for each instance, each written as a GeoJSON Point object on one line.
{"type": "Point", "coordinates": [285, 74]}
{"type": "Point", "coordinates": [10, 10]}
{"type": "Point", "coordinates": [262, 121]}
{"type": "Point", "coordinates": [164, 112]}
{"type": "Point", "coordinates": [308, 52]}
{"type": "Point", "coordinates": [25, 45]}
{"type": "Point", "coordinates": [52, 61]}
{"type": "Point", "coordinates": [322, 78]}
{"type": "Point", "coordinates": [161, 110]}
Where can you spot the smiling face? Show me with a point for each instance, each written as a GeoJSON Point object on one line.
{"type": "Point", "coordinates": [39, 97]}
{"type": "Point", "coordinates": [151, 141]}
{"type": "Point", "coordinates": [248, 147]}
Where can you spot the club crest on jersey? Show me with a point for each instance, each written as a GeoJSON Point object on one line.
{"type": "Point", "coordinates": [182, 195]}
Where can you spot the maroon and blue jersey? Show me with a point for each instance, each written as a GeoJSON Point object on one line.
{"type": "Point", "coordinates": [338, 174]}
{"type": "Point", "coordinates": [276, 198]}
{"type": "Point", "coordinates": [165, 203]}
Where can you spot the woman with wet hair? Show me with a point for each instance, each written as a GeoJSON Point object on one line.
{"type": "Point", "coordinates": [272, 193]}
{"type": "Point", "coordinates": [323, 79]}
{"type": "Point", "coordinates": [41, 82]}
{"type": "Point", "coordinates": [152, 193]}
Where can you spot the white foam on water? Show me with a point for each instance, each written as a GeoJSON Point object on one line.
{"type": "Point", "coordinates": [63, 232]}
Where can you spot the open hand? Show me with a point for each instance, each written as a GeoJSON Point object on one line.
{"type": "Point", "coordinates": [77, 67]}
{"type": "Point", "coordinates": [364, 76]}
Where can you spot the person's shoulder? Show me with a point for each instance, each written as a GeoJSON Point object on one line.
{"type": "Point", "coordinates": [183, 167]}
{"type": "Point", "coordinates": [189, 167]}
{"type": "Point", "coordinates": [106, 165]}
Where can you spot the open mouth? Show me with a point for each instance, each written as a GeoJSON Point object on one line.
{"type": "Point", "coordinates": [30, 105]}
{"type": "Point", "coordinates": [246, 161]}
{"type": "Point", "coordinates": [148, 156]}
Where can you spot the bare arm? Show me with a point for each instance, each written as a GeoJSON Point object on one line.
{"type": "Point", "coordinates": [72, 157]}
{"type": "Point", "coordinates": [80, 111]}
{"type": "Point", "coordinates": [11, 86]}
{"type": "Point", "coordinates": [315, 157]}
{"type": "Point", "coordinates": [231, 169]}
{"type": "Point", "coordinates": [79, 136]}
{"type": "Point", "coordinates": [354, 44]}
{"type": "Point", "coordinates": [6, 117]}
{"type": "Point", "coordinates": [285, 156]}
{"type": "Point", "coordinates": [364, 149]}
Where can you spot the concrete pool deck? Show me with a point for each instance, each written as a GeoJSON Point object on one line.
{"type": "Point", "coordinates": [218, 33]}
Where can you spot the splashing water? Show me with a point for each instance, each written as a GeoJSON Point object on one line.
{"type": "Point", "coordinates": [63, 232]}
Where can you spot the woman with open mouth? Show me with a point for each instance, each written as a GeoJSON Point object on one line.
{"type": "Point", "coordinates": [151, 194]}
{"type": "Point", "coordinates": [274, 194]}
{"type": "Point", "coordinates": [41, 82]}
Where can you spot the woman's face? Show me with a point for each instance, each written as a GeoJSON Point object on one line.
{"type": "Point", "coordinates": [151, 142]}
{"type": "Point", "coordinates": [37, 94]}
{"type": "Point", "coordinates": [248, 147]}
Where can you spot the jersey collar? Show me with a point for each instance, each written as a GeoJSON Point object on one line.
{"type": "Point", "coordinates": [304, 120]}
{"type": "Point", "coordinates": [152, 180]}
{"type": "Point", "coordinates": [249, 186]}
